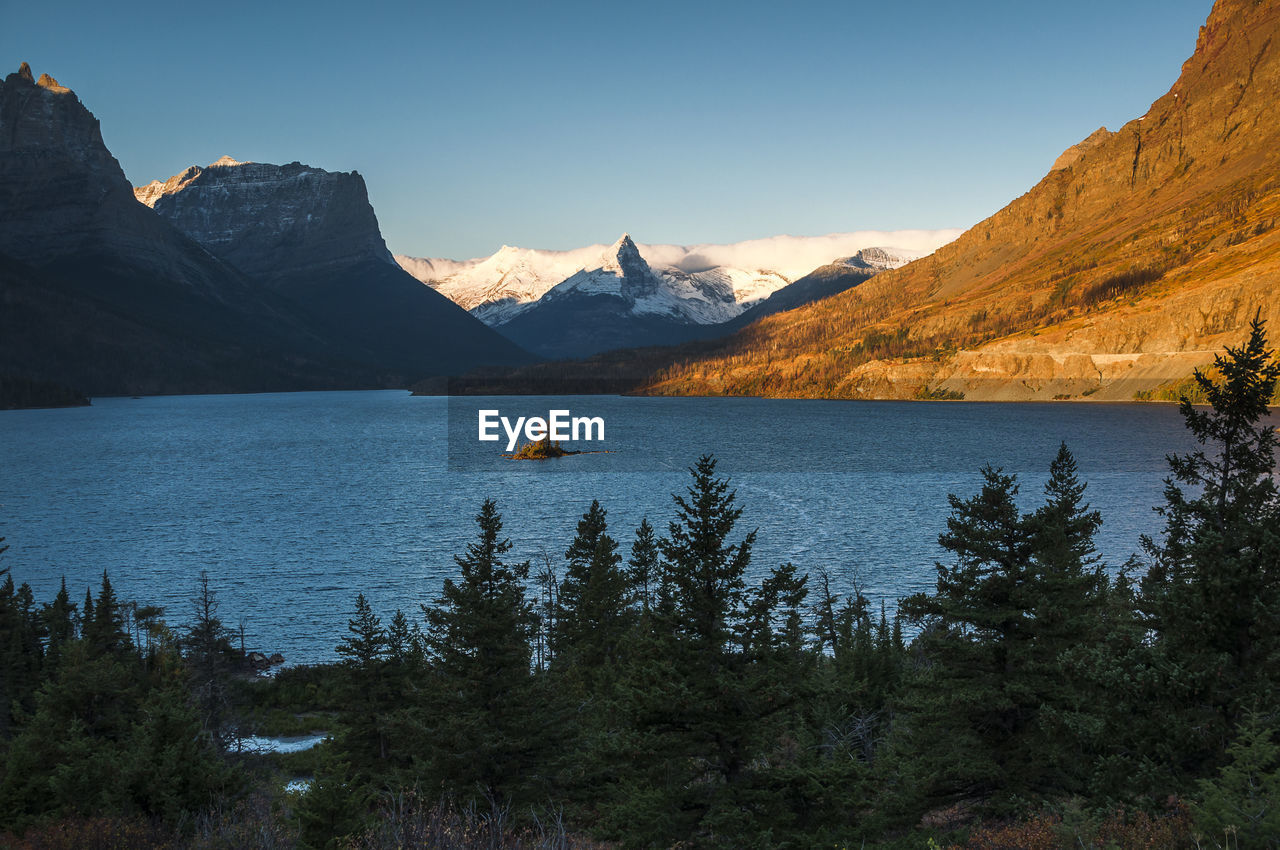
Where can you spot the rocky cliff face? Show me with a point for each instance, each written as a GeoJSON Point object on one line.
{"type": "Point", "coordinates": [311, 237]}
{"type": "Point", "coordinates": [63, 194]}
{"type": "Point", "coordinates": [1141, 253]}
{"type": "Point", "coordinates": [102, 294]}
{"type": "Point", "coordinates": [265, 219]}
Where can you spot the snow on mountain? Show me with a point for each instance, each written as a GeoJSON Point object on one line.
{"type": "Point", "coordinates": [499, 287]}
{"type": "Point", "coordinates": [880, 259]}
{"type": "Point", "coordinates": [703, 284]}
{"type": "Point", "coordinates": [621, 272]}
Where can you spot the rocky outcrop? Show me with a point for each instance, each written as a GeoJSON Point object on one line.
{"type": "Point", "coordinates": [61, 190]}
{"type": "Point", "coordinates": [265, 219]}
{"type": "Point", "coordinates": [1068, 157]}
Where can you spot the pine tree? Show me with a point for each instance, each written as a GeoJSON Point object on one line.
{"type": "Point", "coordinates": [481, 734]}
{"type": "Point", "coordinates": [21, 651]}
{"type": "Point", "coordinates": [642, 566]}
{"type": "Point", "coordinates": [363, 652]}
{"type": "Point", "coordinates": [704, 571]}
{"type": "Point", "coordinates": [104, 624]}
{"type": "Point", "coordinates": [692, 715]}
{"type": "Point", "coordinates": [1065, 593]}
{"type": "Point", "coordinates": [973, 703]}
{"type": "Point", "coordinates": [1212, 592]}
{"type": "Point", "coordinates": [591, 615]}
{"type": "Point", "coordinates": [365, 647]}
{"type": "Point", "coordinates": [207, 647]}
{"type": "Point", "coordinates": [86, 614]}
{"type": "Point", "coordinates": [1241, 805]}
{"type": "Point", "coordinates": [59, 617]}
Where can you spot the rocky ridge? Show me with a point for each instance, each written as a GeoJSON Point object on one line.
{"type": "Point", "coordinates": [263, 218]}
{"type": "Point", "coordinates": [65, 194]}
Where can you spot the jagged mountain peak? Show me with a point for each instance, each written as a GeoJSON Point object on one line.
{"type": "Point", "coordinates": [226, 162]}
{"type": "Point", "coordinates": [1073, 153]}
{"type": "Point", "coordinates": [624, 258]}
{"type": "Point", "coordinates": [879, 259]}
{"type": "Point", "coordinates": [65, 191]}
{"type": "Point", "coordinates": [46, 82]}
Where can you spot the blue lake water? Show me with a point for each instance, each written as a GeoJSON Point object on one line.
{"type": "Point", "coordinates": [296, 502]}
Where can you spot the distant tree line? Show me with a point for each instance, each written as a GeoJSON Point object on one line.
{"type": "Point", "coordinates": [644, 693]}
{"type": "Point", "coordinates": [17, 393]}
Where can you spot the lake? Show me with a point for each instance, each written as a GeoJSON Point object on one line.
{"type": "Point", "coordinates": [295, 502]}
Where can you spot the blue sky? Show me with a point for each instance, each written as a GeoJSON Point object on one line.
{"type": "Point", "coordinates": [556, 125]}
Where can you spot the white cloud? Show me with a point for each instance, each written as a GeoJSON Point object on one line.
{"type": "Point", "coordinates": [794, 256]}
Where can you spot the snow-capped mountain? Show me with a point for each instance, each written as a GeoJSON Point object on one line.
{"type": "Point", "coordinates": [622, 302]}
{"type": "Point", "coordinates": [880, 259]}
{"type": "Point", "coordinates": [705, 284]}
{"type": "Point", "coordinates": [621, 272]}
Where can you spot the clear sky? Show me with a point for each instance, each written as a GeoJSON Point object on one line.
{"type": "Point", "coordinates": [556, 125]}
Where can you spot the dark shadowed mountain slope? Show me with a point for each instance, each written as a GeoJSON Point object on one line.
{"type": "Point", "coordinates": [102, 294]}
{"type": "Point", "coordinates": [312, 237]}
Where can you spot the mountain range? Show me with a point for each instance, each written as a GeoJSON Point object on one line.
{"type": "Point", "coordinates": [1141, 253]}
{"type": "Point", "coordinates": [581, 302]}
{"type": "Point", "coordinates": [501, 286]}
{"type": "Point", "coordinates": [276, 279]}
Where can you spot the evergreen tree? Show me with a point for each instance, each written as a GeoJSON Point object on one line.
{"type": "Point", "coordinates": [1065, 593]}
{"type": "Point", "coordinates": [705, 573]}
{"type": "Point", "coordinates": [642, 566]}
{"type": "Point", "coordinates": [591, 604]}
{"type": "Point", "coordinates": [366, 645]}
{"type": "Point", "coordinates": [1212, 592]}
{"type": "Point", "coordinates": [104, 624]}
{"type": "Point", "coordinates": [481, 734]}
{"type": "Point", "coordinates": [59, 617]}
{"type": "Point", "coordinates": [86, 614]}
{"type": "Point", "coordinates": [693, 718]}
{"type": "Point", "coordinates": [210, 655]}
{"type": "Point", "coordinates": [363, 652]}
{"type": "Point", "coordinates": [21, 652]}
{"type": "Point", "coordinates": [966, 718]}
{"type": "Point", "coordinates": [107, 737]}
{"type": "Point", "coordinates": [994, 711]}
{"type": "Point", "coordinates": [1241, 806]}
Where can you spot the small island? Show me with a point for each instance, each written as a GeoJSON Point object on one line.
{"type": "Point", "coordinates": [543, 449]}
